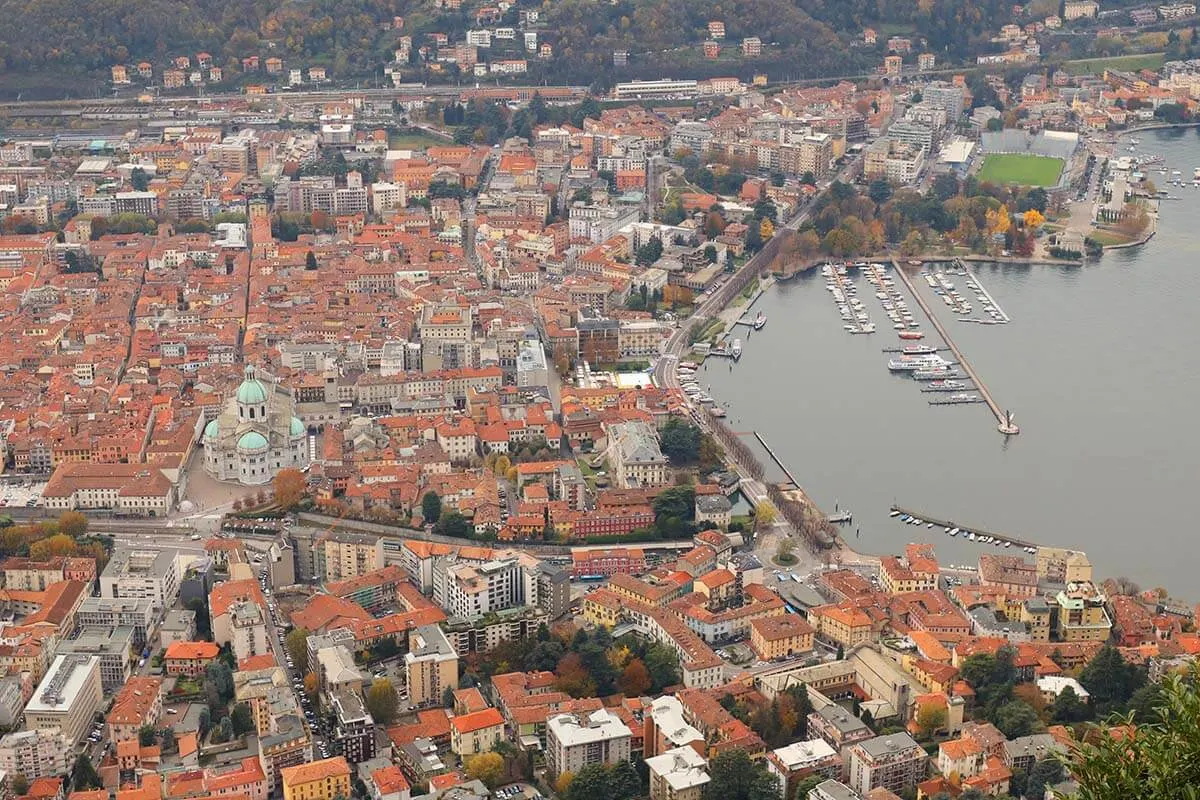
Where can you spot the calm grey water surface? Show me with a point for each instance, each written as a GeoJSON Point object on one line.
{"type": "Point", "coordinates": [1101, 366]}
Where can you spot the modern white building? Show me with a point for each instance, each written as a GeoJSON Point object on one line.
{"type": "Point", "coordinates": [35, 754]}
{"type": "Point", "coordinates": [68, 697]}
{"type": "Point", "coordinates": [531, 365]}
{"type": "Point", "coordinates": [145, 573]}
{"type": "Point", "coordinates": [663, 88]}
{"type": "Point", "coordinates": [575, 741]}
{"type": "Point", "coordinates": [469, 590]}
{"type": "Point", "coordinates": [256, 435]}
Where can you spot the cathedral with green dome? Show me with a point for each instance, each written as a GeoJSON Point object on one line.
{"type": "Point", "coordinates": [256, 434]}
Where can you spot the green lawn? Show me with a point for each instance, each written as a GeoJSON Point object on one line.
{"type": "Point", "coordinates": [1021, 168]}
{"type": "Point", "coordinates": [1096, 66]}
{"type": "Point", "coordinates": [415, 140]}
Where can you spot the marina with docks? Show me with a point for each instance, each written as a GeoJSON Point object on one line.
{"type": "Point", "coordinates": [954, 529]}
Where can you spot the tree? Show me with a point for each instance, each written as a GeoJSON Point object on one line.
{"type": "Point", "coordinates": [680, 441]}
{"type": "Point", "coordinates": [880, 191]}
{"type": "Point", "coordinates": [486, 767]}
{"type": "Point", "coordinates": [147, 735]}
{"type": "Point", "coordinates": [1157, 760]}
{"type": "Point", "coordinates": [382, 701]}
{"type": "Point", "coordinates": [649, 252]}
{"type": "Point", "coordinates": [18, 784]}
{"type": "Point", "coordinates": [945, 186]}
{"type": "Point", "coordinates": [454, 524]}
{"type": "Point", "coordinates": [289, 485]}
{"type": "Point", "coordinates": [710, 252]}
{"type": "Point", "coordinates": [72, 523]}
{"type": "Point", "coordinates": [764, 514]}
{"type": "Point", "coordinates": [562, 783]}
{"type": "Point", "coordinates": [310, 260]}
{"type": "Point", "coordinates": [635, 679]}
{"type": "Point", "coordinates": [1068, 708]}
{"type": "Point", "coordinates": [1144, 702]}
{"type": "Point", "coordinates": [1016, 718]}
{"type": "Point", "coordinates": [223, 732]}
{"type": "Point", "coordinates": [785, 551]}
{"type": "Point", "coordinates": [1034, 219]}
{"type": "Point", "coordinates": [573, 677]}
{"type": "Point", "coordinates": [218, 674]}
{"type": "Point", "coordinates": [1046, 772]}
{"type": "Point", "coordinates": [311, 686]}
{"type": "Point", "coordinates": [1110, 680]}
{"type": "Point", "coordinates": [243, 722]}
{"type": "Point", "coordinates": [734, 776]}
{"type": "Point", "coordinates": [930, 719]}
{"type": "Point", "coordinates": [431, 507]}
{"type": "Point", "coordinates": [167, 736]}
{"type": "Point", "coordinates": [663, 664]}
{"type": "Point", "coordinates": [57, 545]}
{"type": "Point", "coordinates": [84, 776]}
{"type": "Point", "coordinates": [297, 647]}
{"type": "Point", "coordinates": [139, 180]}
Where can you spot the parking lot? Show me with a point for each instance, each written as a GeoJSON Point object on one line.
{"type": "Point", "coordinates": [25, 494]}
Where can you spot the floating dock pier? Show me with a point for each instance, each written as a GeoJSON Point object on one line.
{"type": "Point", "coordinates": [1003, 419]}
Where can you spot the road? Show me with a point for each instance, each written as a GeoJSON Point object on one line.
{"type": "Point", "coordinates": [664, 370]}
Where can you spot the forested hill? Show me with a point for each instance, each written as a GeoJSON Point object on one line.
{"type": "Point", "coordinates": [354, 38]}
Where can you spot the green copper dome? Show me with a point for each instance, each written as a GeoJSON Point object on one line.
{"type": "Point", "coordinates": [211, 430]}
{"type": "Point", "coordinates": [297, 427]}
{"type": "Point", "coordinates": [251, 391]}
{"type": "Point", "coordinates": [252, 440]}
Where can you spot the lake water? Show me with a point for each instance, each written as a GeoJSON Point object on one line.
{"type": "Point", "coordinates": [1100, 365]}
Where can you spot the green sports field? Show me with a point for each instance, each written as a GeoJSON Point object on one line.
{"type": "Point", "coordinates": [1027, 170]}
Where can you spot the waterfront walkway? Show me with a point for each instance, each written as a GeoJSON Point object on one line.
{"type": "Point", "coordinates": [1002, 419]}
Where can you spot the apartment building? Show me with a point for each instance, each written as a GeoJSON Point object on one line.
{"type": "Point", "coordinates": [105, 613]}
{"type": "Point", "coordinates": [115, 649]}
{"type": "Point", "coordinates": [801, 760]}
{"type": "Point", "coordinates": [575, 741]}
{"type": "Point", "coordinates": [355, 729]}
{"type": "Point", "coordinates": [138, 703]}
{"type": "Point", "coordinates": [477, 732]}
{"type": "Point", "coordinates": [348, 555]}
{"type": "Point", "coordinates": [678, 774]}
{"type": "Point", "coordinates": [431, 664]}
{"type": "Point", "coordinates": [326, 779]}
{"type": "Point", "coordinates": [1081, 615]}
{"type": "Point", "coordinates": [895, 161]}
{"type": "Point", "coordinates": [468, 590]}
{"type": "Point", "coordinates": [894, 762]}
{"type": "Point", "coordinates": [35, 754]}
{"type": "Point", "coordinates": [781, 636]}
{"type": "Point", "coordinates": [147, 573]}
{"type": "Point", "coordinates": [68, 697]}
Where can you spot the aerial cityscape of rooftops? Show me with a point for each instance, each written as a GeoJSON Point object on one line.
{"type": "Point", "coordinates": [358, 437]}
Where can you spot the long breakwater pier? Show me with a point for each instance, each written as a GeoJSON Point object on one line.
{"type": "Point", "coordinates": [778, 461]}
{"type": "Point", "coordinates": [976, 534]}
{"type": "Point", "coordinates": [1003, 419]}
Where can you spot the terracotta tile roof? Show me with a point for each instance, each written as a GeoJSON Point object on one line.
{"type": "Point", "coordinates": [134, 701]}
{"type": "Point", "coordinates": [477, 721]}
{"type": "Point", "coordinates": [191, 651]}
{"type": "Point", "coordinates": [315, 771]}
